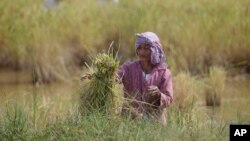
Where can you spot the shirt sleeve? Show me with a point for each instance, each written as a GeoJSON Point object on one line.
{"type": "Point", "coordinates": [166, 89]}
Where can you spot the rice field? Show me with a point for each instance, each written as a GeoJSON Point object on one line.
{"type": "Point", "coordinates": [43, 52]}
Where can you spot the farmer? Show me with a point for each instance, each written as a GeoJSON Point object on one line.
{"type": "Point", "coordinates": [147, 81]}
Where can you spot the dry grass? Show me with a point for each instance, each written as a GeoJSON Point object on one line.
{"type": "Point", "coordinates": [215, 86]}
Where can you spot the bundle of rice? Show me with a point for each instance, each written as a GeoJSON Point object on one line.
{"type": "Point", "coordinates": [100, 93]}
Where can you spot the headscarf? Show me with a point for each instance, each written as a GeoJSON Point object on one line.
{"type": "Point", "coordinates": [157, 54]}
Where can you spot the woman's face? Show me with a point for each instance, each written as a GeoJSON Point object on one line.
{"type": "Point", "coordinates": [144, 52]}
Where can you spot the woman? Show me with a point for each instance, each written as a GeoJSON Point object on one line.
{"type": "Point", "coordinates": [147, 81]}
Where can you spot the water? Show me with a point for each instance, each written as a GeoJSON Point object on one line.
{"type": "Point", "coordinates": [16, 87]}
{"type": "Point", "coordinates": [236, 99]}
{"type": "Point", "coordinates": [235, 102]}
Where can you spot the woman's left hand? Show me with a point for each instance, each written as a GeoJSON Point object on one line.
{"type": "Point", "coordinates": [153, 95]}
{"type": "Point", "coordinates": [153, 91]}
{"type": "Point", "coordinates": [87, 76]}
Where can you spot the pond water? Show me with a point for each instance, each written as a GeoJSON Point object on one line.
{"type": "Point", "coordinates": [16, 87]}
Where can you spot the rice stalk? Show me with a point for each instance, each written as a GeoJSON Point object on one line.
{"type": "Point", "coordinates": [100, 93]}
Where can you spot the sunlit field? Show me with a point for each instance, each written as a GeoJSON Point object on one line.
{"type": "Point", "coordinates": [43, 53]}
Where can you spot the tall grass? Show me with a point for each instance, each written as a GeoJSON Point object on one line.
{"type": "Point", "coordinates": [195, 34]}
{"type": "Point", "coordinates": [14, 124]}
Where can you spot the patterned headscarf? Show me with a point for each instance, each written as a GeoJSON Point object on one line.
{"type": "Point", "coordinates": [157, 54]}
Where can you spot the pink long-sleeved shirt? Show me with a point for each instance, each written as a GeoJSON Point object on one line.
{"type": "Point", "coordinates": [135, 85]}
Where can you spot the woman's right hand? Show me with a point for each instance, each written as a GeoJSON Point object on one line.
{"type": "Point", "coordinates": [87, 76]}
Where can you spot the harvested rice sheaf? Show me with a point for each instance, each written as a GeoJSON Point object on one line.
{"type": "Point", "coordinates": [100, 93]}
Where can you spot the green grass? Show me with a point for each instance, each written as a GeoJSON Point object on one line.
{"type": "Point", "coordinates": [195, 34]}
{"type": "Point", "coordinates": [15, 124]}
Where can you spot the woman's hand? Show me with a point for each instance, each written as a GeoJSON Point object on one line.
{"type": "Point", "coordinates": [86, 76]}
{"type": "Point", "coordinates": [153, 95]}
{"type": "Point", "coordinates": [118, 79]}
{"type": "Point", "coordinates": [153, 91]}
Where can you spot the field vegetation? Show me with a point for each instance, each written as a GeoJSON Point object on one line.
{"type": "Point", "coordinates": [51, 43]}
{"type": "Point", "coordinates": [207, 47]}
